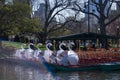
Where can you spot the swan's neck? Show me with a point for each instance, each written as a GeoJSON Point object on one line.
{"type": "Point", "coordinates": [22, 46]}
{"type": "Point", "coordinates": [38, 46]}
{"type": "Point", "coordinates": [60, 47]}
{"type": "Point", "coordinates": [47, 46]}
{"type": "Point", "coordinates": [69, 47]}
{"type": "Point", "coordinates": [29, 47]}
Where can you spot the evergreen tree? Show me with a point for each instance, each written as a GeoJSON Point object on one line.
{"type": "Point", "coordinates": [15, 18]}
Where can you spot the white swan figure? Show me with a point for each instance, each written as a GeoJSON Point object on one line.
{"type": "Point", "coordinates": [29, 52]}
{"type": "Point", "coordinates": [18, 53]}
{"type": "Point", "coordinates": [59, 52]}
{"type": "Point", "coordinates": [60, 49]}
{"type": "Point", "coordinates": [72, 56]}
{"type": "Point", "coordinates": [47, 52]}
{"type": "Point", "coordinates": [62, 56]}
{"type": "Point", "coordinates": [36, 52]}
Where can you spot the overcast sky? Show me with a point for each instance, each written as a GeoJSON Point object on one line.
{"type": "Point", "coordinates": [66, 12]}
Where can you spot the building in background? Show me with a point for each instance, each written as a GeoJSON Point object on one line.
{"type": "Point", "coordinates": [8, 1]}
{"type": "Point", "coordinates": [118, 6]}
{"type": "Point", "coordinates": [40, 12]}
{"type": "Point", "coordinates": [19, 1]}
{"type": "Point", "coordinates": [115, 10]}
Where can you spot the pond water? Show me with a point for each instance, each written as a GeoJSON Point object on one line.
{"type": "Point", "coordinates": [10, 71]}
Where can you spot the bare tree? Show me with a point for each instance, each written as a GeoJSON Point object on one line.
{"type": "Point", "coordinates": [53, 10]}
{"type": "Point", "coordinates": [76, 25]}
{"type": "Point", "coordinates": [101, 11]}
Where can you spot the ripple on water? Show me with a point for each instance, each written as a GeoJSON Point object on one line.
{"type": "Point", "coordinates": [16, 72]}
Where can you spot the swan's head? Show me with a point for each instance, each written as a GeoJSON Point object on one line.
{"type": "Point", "coordinates": [71, 46]}
{"type": "Point", "coordinates": [62, 46]}
{"type": "Point", "coordinates": [31, 46]}
{"type": "Point", "coordinates": [22, 46]}
{"type": "Point", "coordinates": [49, 46]}
{"type": "Point", "coordinates": [39, 44]}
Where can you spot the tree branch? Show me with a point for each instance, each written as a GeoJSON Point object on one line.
{"type": "Point", "coordinates": [53, 9]}
{"type": "Point", "coordinates": [109, 8]}
{"type": "Point", "coordinates": [52, 17]}
{"type": "Point", "coordinates": [94, 1]}
{"type": "Point", "coordinates": [117, 17]}
{"type": "Point", "coordinates": [46, 9]}
{"type": "Point", "coordinates": [62, 25]}
{"type": "Point", "coordinates": [86, 12]}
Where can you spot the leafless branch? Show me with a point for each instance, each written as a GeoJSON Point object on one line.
{"type": "Point", "coordinates": [109, 8]}
{"type": "Point", "coordinates": [86, 12]}
{"type": "Point", "coordinates": [57, 12]}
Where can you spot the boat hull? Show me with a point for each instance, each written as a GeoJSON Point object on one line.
{"type": "Point", "coordinates": [109, 66]}
{"type": "Point", "coordinates": [101, 67]}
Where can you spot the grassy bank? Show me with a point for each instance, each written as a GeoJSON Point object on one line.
{"type": "Point", "coordinates": [7, 48]}
{"type": "Point", "coordinates": [18, 45]}
{"type": "Point", "coordinates": [15, 45]}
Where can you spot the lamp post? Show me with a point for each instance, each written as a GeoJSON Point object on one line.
{"type": "Point", "coordinates": [98, 38]}
{"type": "Point", "coordinates": [88, 16]}
{"type": "Point", "coordinates": [98, 30]}
{"type": "Point", "coordinates": [87, 6]}
{"type": "Point", "coordinates": [118, 29]}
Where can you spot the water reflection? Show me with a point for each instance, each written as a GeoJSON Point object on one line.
{"type": "Point", "coordinates": [90, 75]}
{"type": "Point", "coordinates": [15, 72]}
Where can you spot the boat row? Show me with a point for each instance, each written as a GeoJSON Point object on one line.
{"type": "Point", "coordinates": [66, 59]}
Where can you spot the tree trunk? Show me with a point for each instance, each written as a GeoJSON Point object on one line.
{"type": "Point", "coordinates": [0, 44]}
{"type": "Point", "coordinates": [45, 33]}
{"type": "Point", "coordinates": [103, 41]}
{"type": "Point", "coordinates": [44, 37]}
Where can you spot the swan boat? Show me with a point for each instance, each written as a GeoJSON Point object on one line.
{"type": "Point", "coordinates": [93, 61]}
{"type": "Point", "coordinates": [89, 58]}
{"type": "Point", "coordinates": [100, 67]}
{"type": "Point", "coordinates": [21, 57]}
{"type": "Point", "coordinates": [108, 63]}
